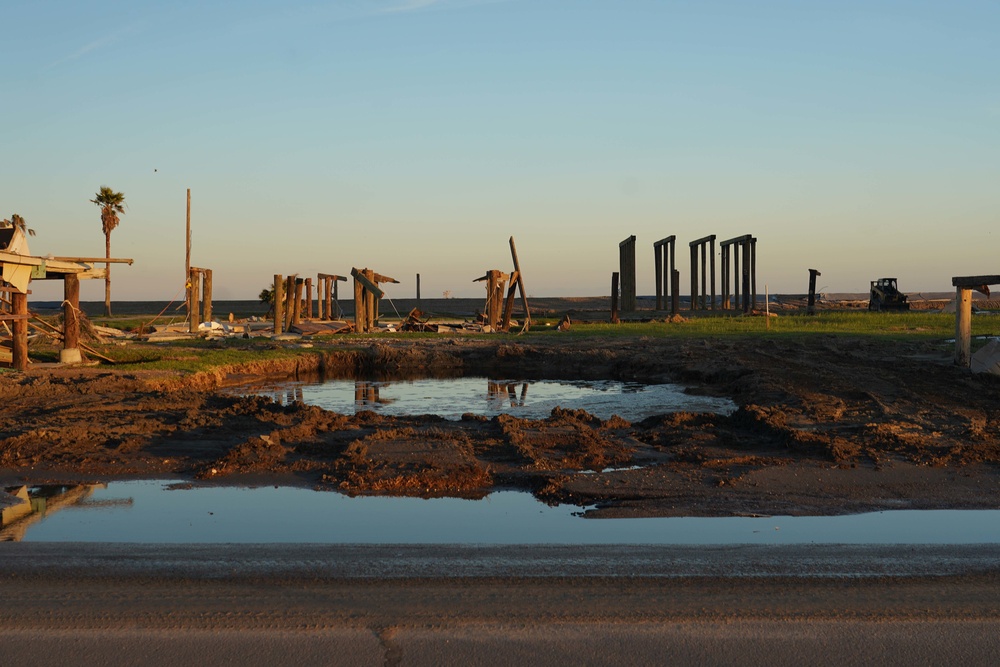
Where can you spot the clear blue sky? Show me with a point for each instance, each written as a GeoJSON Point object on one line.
{"type": "Point", "coordinates": [860, 138]}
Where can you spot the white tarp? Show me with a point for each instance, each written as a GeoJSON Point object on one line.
{"type": "Point", "coordinates": [987, 358]}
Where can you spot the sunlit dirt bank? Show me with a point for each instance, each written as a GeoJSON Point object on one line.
{"type": "Point", "coordinates": [823, 425]}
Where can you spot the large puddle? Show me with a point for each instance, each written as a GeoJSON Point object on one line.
{"type": "Point", "coordinates": [530, 399]}
{"type": "Point", "coordinates": [158, 512]}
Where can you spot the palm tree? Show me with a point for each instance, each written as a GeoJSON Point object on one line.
{"type": "Point", "coordinates": [17, 222]}
{"type": "Point", "coordinates": [112, 205]}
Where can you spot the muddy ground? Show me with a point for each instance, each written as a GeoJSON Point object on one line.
{"type": "Point", "coordinates": [824, 425]}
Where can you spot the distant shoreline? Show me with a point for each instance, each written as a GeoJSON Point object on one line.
{"type": "Point", "coordinates": [242, 308]}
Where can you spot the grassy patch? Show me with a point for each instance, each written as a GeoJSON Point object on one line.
{"type": "Point", "coordinates": [883, 325]}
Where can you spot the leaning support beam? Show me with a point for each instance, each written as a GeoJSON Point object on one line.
{"type": "Point", "coordinates": [520, 286]}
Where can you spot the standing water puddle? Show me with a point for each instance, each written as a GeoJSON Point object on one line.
{"type": "Point", "coordinates": [153, 512]}
{"type": "Point", "coordinates": [530, 399]}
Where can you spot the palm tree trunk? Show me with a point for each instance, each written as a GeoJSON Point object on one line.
{"type": "Point", "coordinates": [107, 275]}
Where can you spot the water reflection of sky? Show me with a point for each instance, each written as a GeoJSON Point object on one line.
{"type": "Point", "coordinates": [157, 514]}
{"type": "Point", "coordinates": [533, 399]}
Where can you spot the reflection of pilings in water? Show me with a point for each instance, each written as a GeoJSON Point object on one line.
{"type": "Point", "coordinates": [45, 500]}
{"type": "Point", "coordinates": [497, 392]}
{"type": "Point", "coordinates": [366, 394]}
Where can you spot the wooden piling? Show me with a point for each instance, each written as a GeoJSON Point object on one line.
{"type": "Point", "coordinates": [206, 295]}
{"type": "Point", "coordinates": [289, 301]}
{"type": "Point", "coordinates": [309, 298]}
{"type": "Point", "coordinates": [194, 279]}
{"type": "Point", "coordinates": [279, 298]}
{"type": "Point", "coordinates": [19, 330]}
{"type": "Point", "coordinates": [71, 310]}
{"type": "Point", "coordinates": [297, 305]}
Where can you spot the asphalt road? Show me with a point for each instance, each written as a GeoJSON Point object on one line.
{"type": "Point", "coordinates": [468, 605]}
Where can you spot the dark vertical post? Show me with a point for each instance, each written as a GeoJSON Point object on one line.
{"type": "Point", "coordinates": [711, 255]}
{"type": "Point", "coordinates": [418, 290]}
{"type": "Point", "coordinates": [675, 292]}
{"type": "Point", "coordinates": [736, 276]}
{"type": "Point", "coordinates": [658, 263]}
{"type": "Point", "coordinates": [279, 303]}
{"type": "Point", "coordinates": [725, 275]}
{"type": "Point", "coordinates": [746, 275]}
{"type": "Point", "coordinates": [704, 269]}
{"type": "Point", "coordinates": [297, 305]}
{"type": "Point", "coordinates": [811, 310]}
{"type": "Point", "coordinates": [753, 271]}
{"type": "Point", "coordinates": [336, 301]}
{"type": "Point", "coordinates": [19, 330]}
{"type": "Point", "coordinates": [289, 302]}
{"type": "Point", "coordinates": [694, 277]}
{"type": "Point", "coordinates": [371, 314]}
{"type": "Point", "coordinates": [614, 298]}
{"type": "Point", "coordinates": [309, 298]}
{"type": "Point", "coordinates": [206, 296]}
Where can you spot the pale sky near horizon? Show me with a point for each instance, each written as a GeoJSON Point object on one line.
{"type": "Point", "coordinates": [859, 137]}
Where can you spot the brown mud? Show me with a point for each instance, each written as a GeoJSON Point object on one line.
{"type": "Point", "coordinates": [824, 425]}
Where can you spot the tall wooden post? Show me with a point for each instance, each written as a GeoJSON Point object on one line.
{"type": "Point", "coordinates": [418, 290]}
{"type": "Point", "coordinates": [70, 352]}
{"type": "Point", "coordinates": [207, 295]}
{"type": "Point", "coordinates": [194, 280]}
{"type": "Point", "coordinates": [279, 305]}
{"type": "Point", "coordinates": [327, 293]}
{"type": "Point", "coordinates": [19, 329]}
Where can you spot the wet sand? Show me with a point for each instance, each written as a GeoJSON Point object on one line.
{"type": "Point", "coordinates": [824, 425]}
